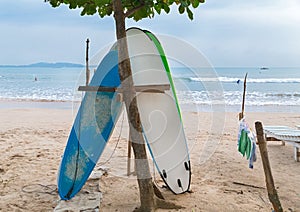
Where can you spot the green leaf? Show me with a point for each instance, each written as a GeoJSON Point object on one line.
{"type": "Point", "coordinates": [177, 2]}
{"type": "Point", "coordinates": [195, 3]}
{"type": "Point", "coordinates": [109, 10]}
{"type": "Point", "coordinates": [54, 3]}
{"type": "Point", "coordinates": [83, 12]}
{"type": "Point", "coordinates": [105, 11]}
{"type": "Point", "coordinates": [190, 13]}
{"type": "Point", "coordinates": [184, 3]}
{"type": "Point", "coordinates": [150, 7]}
{"type": "Point", "coordinates": [181, 9]}
{"type": "Point", "coordinates": [81, 3]}
{"type": "Point", "coordinates": [166, 8]}
{"type": "Point", "coordinates": [140, 14]}
{"type": "Point", "coordinates": [100, 3]}
{"type": "Point", "coordinates": [73, 5]}
{"type": "Point", "coordinates": [91, 9]}
{"type": "Point", "coordinates": [157, 7]}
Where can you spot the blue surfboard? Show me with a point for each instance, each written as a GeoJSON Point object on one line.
{"type": "Point", "coordinates": [91, 130]}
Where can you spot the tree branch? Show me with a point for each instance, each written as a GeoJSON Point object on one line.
{"type": "Point", "coordinates": [133, 10]}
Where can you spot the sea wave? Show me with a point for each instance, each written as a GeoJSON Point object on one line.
{"type": "Point", "coordinates": [233, 98]}
{"type": "Point", "coordinates": [230, 98]}
{"type": "Point", "coordinates": [36, 94]}
{"type": "Point", "coordinates": [250, 80]}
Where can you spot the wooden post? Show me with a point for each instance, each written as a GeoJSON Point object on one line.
{"type": "Point", "coordinates": [296, 153]}
{"type": "Point", "coordinates": [241, 115]}
{"type": "Point", "coordinates": [272, 193]}
{"type": "Point", "coordinates": [129, 172]}
{"type": "Point", "coordinates": [87, 63]}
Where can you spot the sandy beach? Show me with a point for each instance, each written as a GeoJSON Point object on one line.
{"type": "Point", "coordinates": [33, 140]}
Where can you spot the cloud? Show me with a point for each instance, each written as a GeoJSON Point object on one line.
{"type": "Point", "coordinates": [251, 33]}
{"type": "Point", "coordinates": [37, 12]}
{"type": "Point", "coordinates": [51, 43]}
{"type": "Point", "coordinates": [229, 33]}
{"type": "Point", "coordinates": [33, 31]}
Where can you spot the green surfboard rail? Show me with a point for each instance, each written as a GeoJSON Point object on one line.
{"type": "Point", "coordinates": [166, 65]}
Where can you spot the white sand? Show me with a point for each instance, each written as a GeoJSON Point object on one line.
{"type": "Point", "coordinates": [33, 140]}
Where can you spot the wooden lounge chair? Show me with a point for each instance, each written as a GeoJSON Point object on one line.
{"type": "Point", "coordinates": [286, 135]}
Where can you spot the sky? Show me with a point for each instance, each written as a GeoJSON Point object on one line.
{"type": "Point", "coordinates": [232, 33]}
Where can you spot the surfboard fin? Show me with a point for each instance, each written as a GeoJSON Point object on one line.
{"type": "Point", "coordinates": [179, 183]}
{"type": "Point", "coordinates": [186, 165]}
{"type": "Point", "coordinates": [164, 174]}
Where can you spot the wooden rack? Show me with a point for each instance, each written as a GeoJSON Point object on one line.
{"type": "Point", "coordinates": [140, 88]}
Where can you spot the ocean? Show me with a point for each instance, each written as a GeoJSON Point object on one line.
{"type": "Point", "coordinates": [198, 89]}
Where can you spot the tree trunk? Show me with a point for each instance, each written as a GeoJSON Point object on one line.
{"type": "Point", "coordinates": [142, 167]}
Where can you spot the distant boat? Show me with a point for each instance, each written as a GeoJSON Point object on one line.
{"type": "Point", "coordinates": [264, 68]}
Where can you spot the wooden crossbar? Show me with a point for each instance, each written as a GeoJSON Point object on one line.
{"type": "Point", "coordinates": [272, 139]}
{"type": "Point", "coordinates": [97, 88]}
{"type": "Point", "coordinates": [139, 88]}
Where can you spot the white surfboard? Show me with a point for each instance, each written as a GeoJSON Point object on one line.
{"type": "Point", "coordinates": [160, 114]}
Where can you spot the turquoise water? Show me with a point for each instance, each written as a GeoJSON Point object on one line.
{"type": "Point", "coordinates": [51, 84]}
{"type": "Point", "coordinates": [275, 88]}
